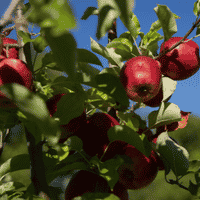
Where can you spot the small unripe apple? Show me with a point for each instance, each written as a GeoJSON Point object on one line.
{"type": "Point", "coordinates": [182, 62]}
{"type": "Point", "coordinates": [74, 124]}
{"type": "Point", "coordinates": [12, 52]}
{"type": "Point", "coordinates": [95, 139]}
{"type": "Point", "coordinates": [134, 175]}
{"type": "Point", "coordinates": [141, 78]}
{"type": "Point", "coordinates": [84, 182]}
{"type": "Point", "coordinates": [13, 71]}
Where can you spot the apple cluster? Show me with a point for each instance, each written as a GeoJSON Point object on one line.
{"type": "Point", "coordinates": [141, 76]}
{"type": "Point", "coordinates": [12, 70]}
{"type": "Point", "coordinates": [93, 133]}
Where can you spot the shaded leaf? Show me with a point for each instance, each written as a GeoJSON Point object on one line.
{"type": "Point", "coordinates": [176, 155]}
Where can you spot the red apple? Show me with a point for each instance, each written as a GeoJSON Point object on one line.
{"type": "Point", "coordinates": [74, 124]}
{"type": "Point", "coordinates": [182, 62]}
{"type": "Point", "coordinates": [12, 52]}
{"type": "Point", "coordinates": [13, 71]}
{"type": "Point", "coordinates": [134, 175]}
{"type": "Point", "coordinates": [95, 139]}
{"type": "Point", "coordinates": [120, 191]}
{"type": "Point", "coordinates": [84, 182]}
{"type": "Point", "coordinates": [141, 78]}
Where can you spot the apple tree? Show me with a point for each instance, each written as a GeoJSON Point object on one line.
{"type": "Point", "coordinates": [104, 153]}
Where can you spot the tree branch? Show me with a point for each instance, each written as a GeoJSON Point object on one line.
{"type": "Point", "coordinates": [7, 18]}
{"type": "Point", "coordinates": [180, 42]}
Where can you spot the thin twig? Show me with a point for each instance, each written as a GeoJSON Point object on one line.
{"type": "Point", "coordinates": [137, 46]}
{"type": "Point", "coordinates": [7, 31]}
{"type": "Point", "coordinates": [179, 42]}
{"type": "Point", "coordinates": [21, 24]}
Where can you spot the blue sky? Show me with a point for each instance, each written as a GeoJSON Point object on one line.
{"type": "Point", "coordinates": [187, 91]}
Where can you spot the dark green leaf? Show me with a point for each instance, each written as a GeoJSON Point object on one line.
{"type": "Point", "coordinates": [176, 155]}
{"type": "Point", "coordinates": [87, 57]}
{"type": "Point", "coordinates": [64, 50]}
{"type": "Point", "coordinates": [88, 12]}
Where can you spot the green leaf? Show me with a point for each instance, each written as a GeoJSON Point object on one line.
{"type": "Point", "coordinates": [167, 113]}
{"type": "Point", "coordinates": [39, 44]}
{"type": "Point", "coordinates": [176, 155]}
{"type": "Point", "coordinates": [64, 50]}
{"type": "Point", "coordinates": [27, 48]}
{"type": "Point", "coordinates": [168, 86]}
{"type": "Point", "coordinates": [129, 121]}
{"type": "Point", "coordinates": [111, 85]}
{"type": "Point", "coordinates": [128, 36]}
{"type": "Point", "coordinates": [129, 20]}
{"type": "Point", "coordinates": [48, 61]}
{"type": "Point", "coordinates": [150, 41]}
{"type": "Point", "coordinates": [26, 7]}
{"type": "Point", "coordinates": [136, 22]}
{"type": "Point", "coordinates": [121, 43]}
{"type": "Point", "coordinates": [65, 84]}
{"type": "Point", "coordinates": [15, 164]}
{"type": "Point", "coordinates": [196, 9]}
{"type": "Point", "coordinates": [51, 14]}
{"type": "Point", "coordinates": [132, 120]}
{"type": "Point", "coordinates": [123, 47]}
{"type": "Point", "coordinates": [167, 21]}
{"type": "Point", "coordinates": [126, 134]}
{"type": "Point", "coordinates": [69, 107]}
{"type": "Point", "coordinates": [108, 169]}
{"type": "Point", "coordinates": [194, 166]}
{"type": "Point", "coordinates": [108, 12]}
{"type": "Point", "coordinates": [74, 143]}
{"type": "Point", "coordinates": [113, 58]}
{"type": "Point", "coordinates": [10, 186]}
{"type": "Point", "coordinates": [194, 189]}
{"type": "Point", "coordinates": [155, 26]}
{"type": "Point", "coordinates": [85, 56]}
{"type": "Point", "coordinates": [25, 36]}
{"type": "Point", "coordinates": [89, 11]}
{"type": "Point", "coordinates": [86, 74]}
{"type": "Point", "coordinates": [99, 99]}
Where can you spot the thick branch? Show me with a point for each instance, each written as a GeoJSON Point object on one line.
{"type": "Point", "coordinates": [7, 18]}
{"type": "Point", "coordinates": [37, 165]}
